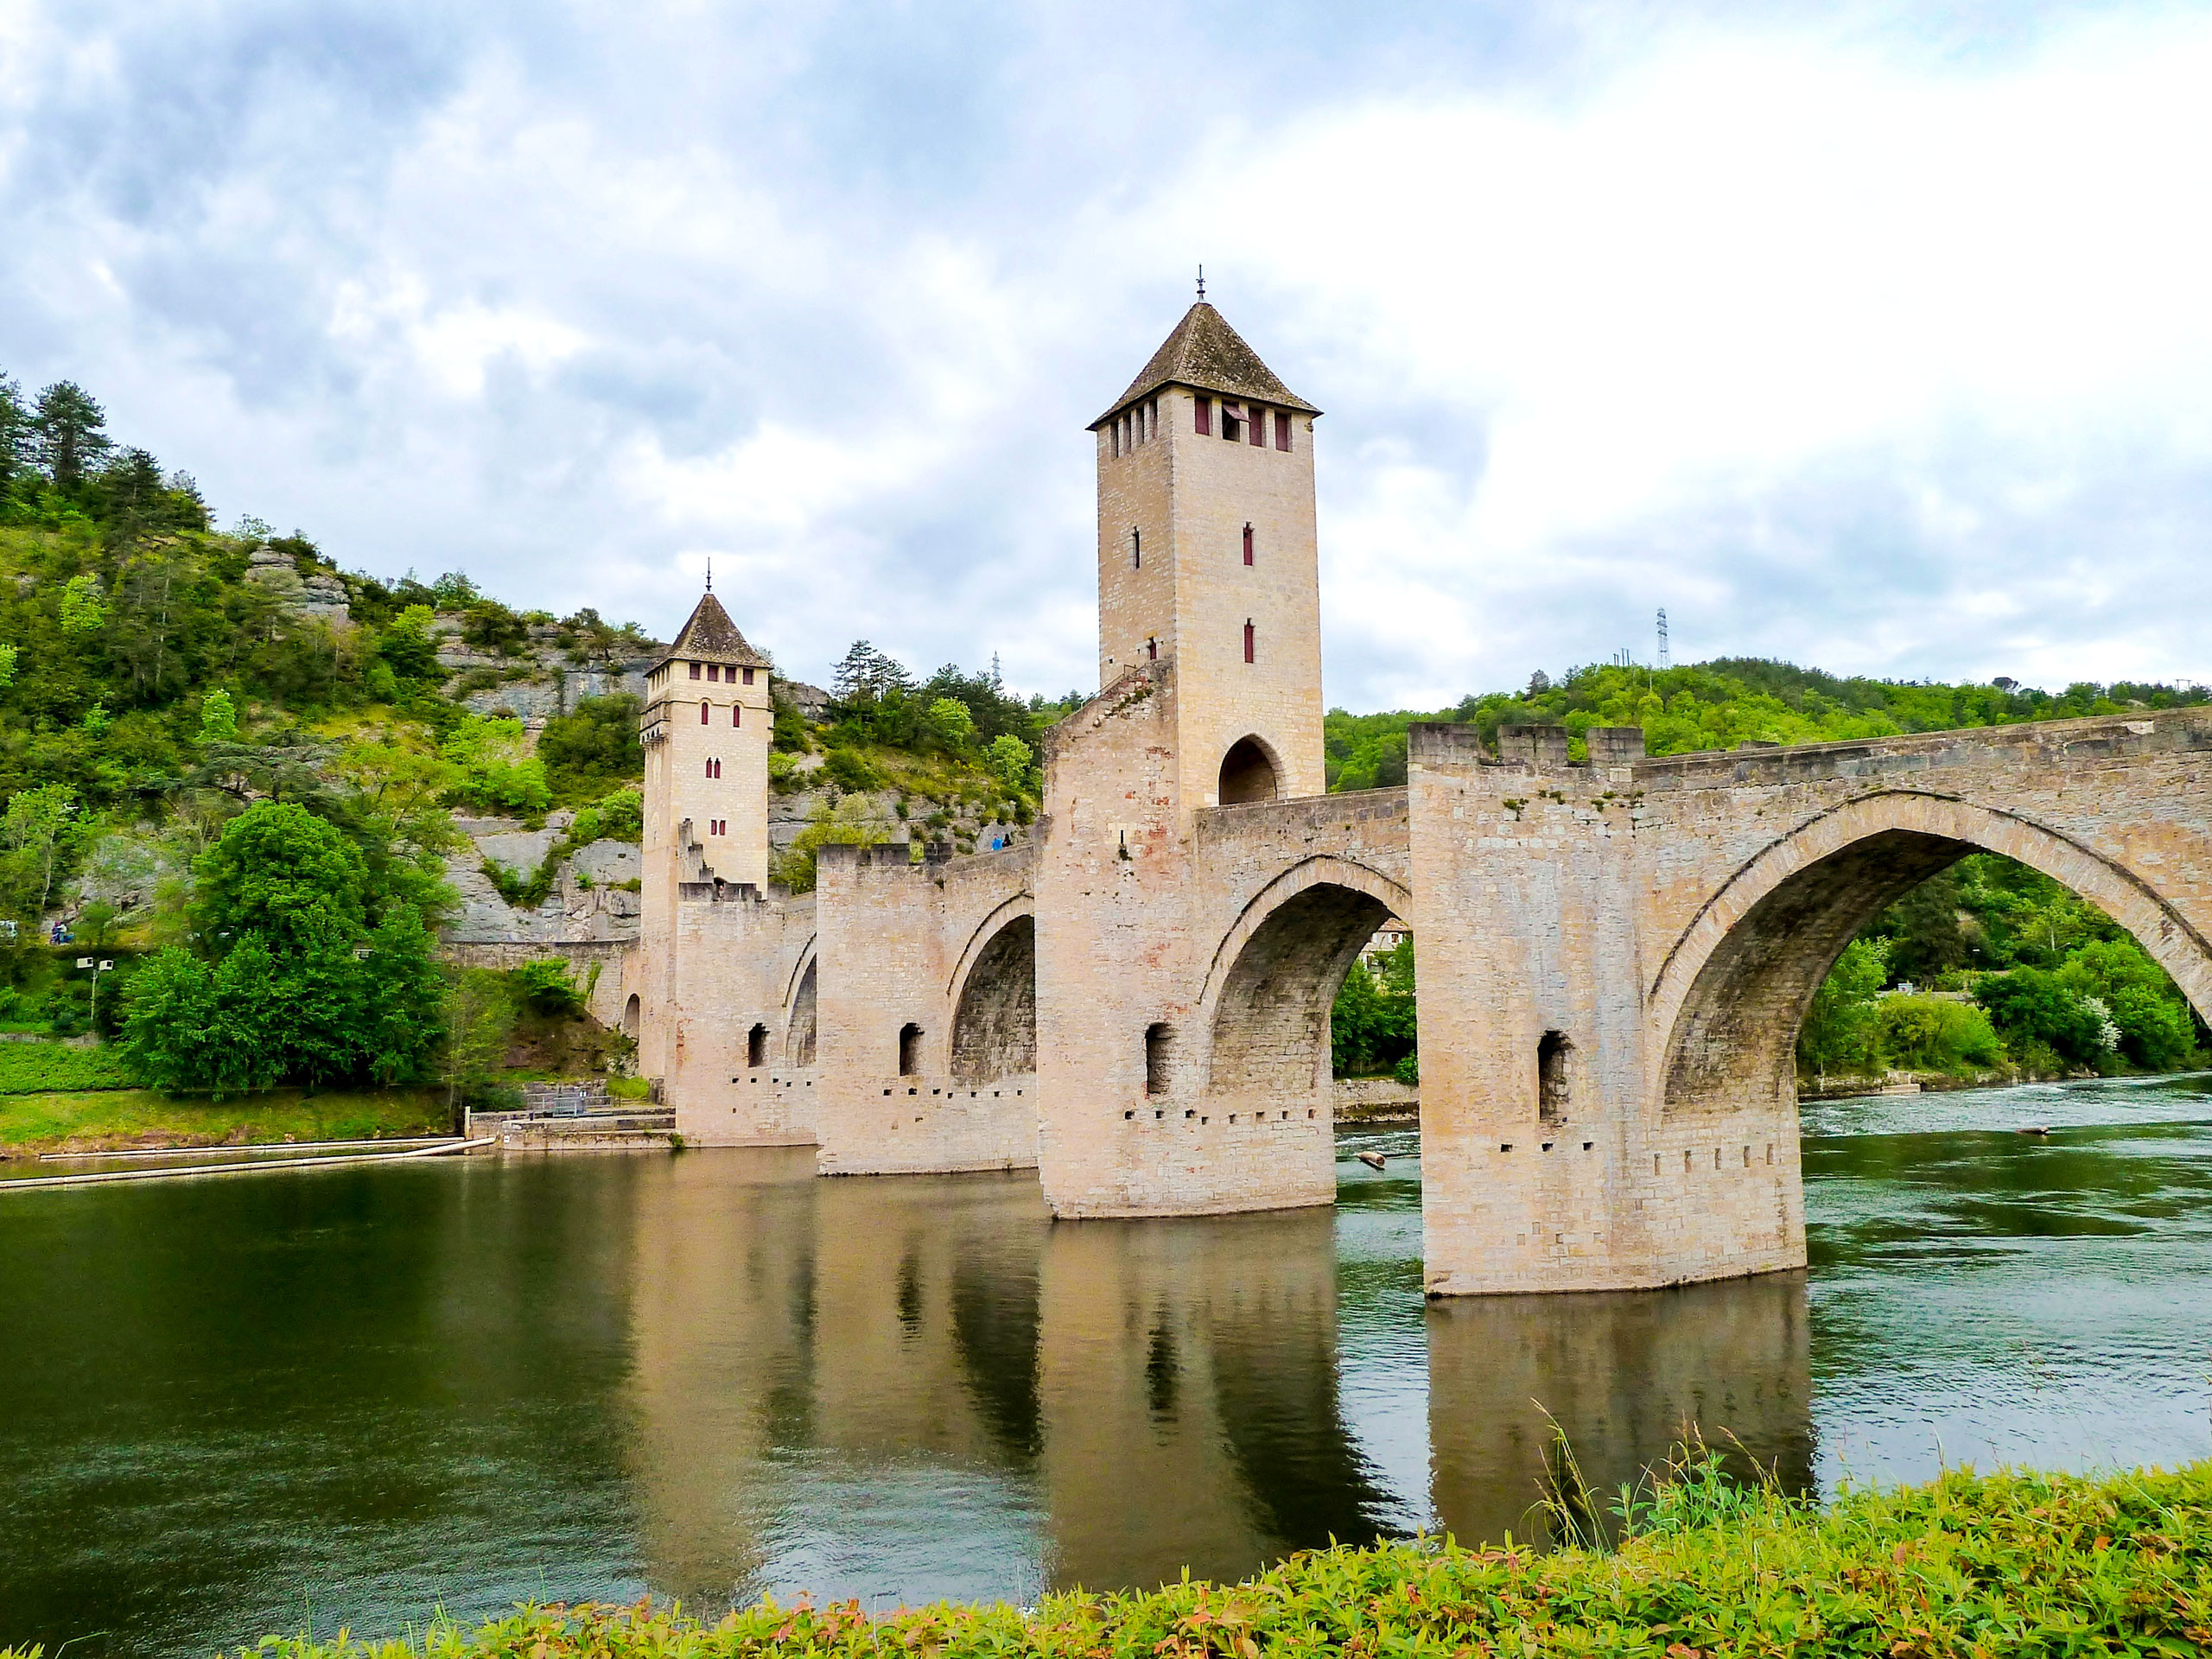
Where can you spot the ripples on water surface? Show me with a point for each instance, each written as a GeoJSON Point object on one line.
{"type": "Point", "coordinates": [353, 1396]}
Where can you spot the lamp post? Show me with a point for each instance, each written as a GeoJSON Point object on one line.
{"type": "Point", "coordinates": [98, 966]}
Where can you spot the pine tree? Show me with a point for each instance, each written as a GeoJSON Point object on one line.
{"type": "Point", "coordinates": [72, 433]}
{"type": "Point", "coordinates": [16, 432]}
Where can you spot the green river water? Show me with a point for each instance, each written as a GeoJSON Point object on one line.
{"type": "Point", "coordinates": [356, 1397]}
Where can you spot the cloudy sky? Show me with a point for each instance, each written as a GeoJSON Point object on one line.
{"type": "Point", "coordinates": [1873, 337]}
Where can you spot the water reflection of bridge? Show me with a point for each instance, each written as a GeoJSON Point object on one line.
{"type": "Point", "coordinates": [1112, 1402]}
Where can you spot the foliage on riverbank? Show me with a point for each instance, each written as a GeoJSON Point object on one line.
{"type": "Point", "coordinates": [141, 1117]}
{"type": "Point", "coordinates": [42, 1067]}
{"type": "Point", "coordinates": [2011, 1563]}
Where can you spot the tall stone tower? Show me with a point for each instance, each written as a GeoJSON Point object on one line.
{"type": "Point", "coordinates": [706, 730]}
{"type": "Point", "coordinates": [1208, 555]}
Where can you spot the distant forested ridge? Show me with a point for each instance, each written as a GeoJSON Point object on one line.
{"type": "Point", "coordinates": [1718, 704]}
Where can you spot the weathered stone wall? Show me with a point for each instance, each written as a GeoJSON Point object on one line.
{"type": "Point", "coordinates": [1183, 978]}
{"type": "Point", "coordinates": [742, 960]}
{"type": "Point", "coordinates": [907, 951]}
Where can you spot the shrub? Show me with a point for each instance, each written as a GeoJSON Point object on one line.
{"type": "Point", "coordinates": [547, 986]}
{"type": "Point", "coordinates": [850, 769]}
{"type": "Point", "coordinates": [1935, 1033]}
{"type": "Point", "coordinates": [2014, 1564]}
{"type": "Point", "coordinates": [593, 748]}
{"type": "Point", "coordinates": [42, 1068]}
{"type": "Point", "coordinates": [496, 776]}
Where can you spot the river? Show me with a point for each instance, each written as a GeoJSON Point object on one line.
{"type": "Point", "coordinates": [354, 1396]}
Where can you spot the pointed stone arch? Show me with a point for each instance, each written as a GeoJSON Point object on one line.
{"type": "Point", "coordinates": [1729, 997]}
{"type": "Point", "coordinates": [1277, 970]}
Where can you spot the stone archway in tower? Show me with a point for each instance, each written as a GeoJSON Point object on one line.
{"type": "Point", "coordinates": [1248, 773]}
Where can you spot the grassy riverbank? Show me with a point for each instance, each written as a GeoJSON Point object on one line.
{"type": "Point", "coordinates": [2010, 1564]}
{"type": "Point", "coordinates": [107, 1118]}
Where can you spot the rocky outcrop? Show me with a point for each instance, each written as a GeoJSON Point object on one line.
{"type": "Point", "coordinates": [316, 594]}
{"type": "Point", "coordinates": [589, 902]}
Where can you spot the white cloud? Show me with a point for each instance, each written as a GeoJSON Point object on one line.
{"type": "Point", "coordinates": [1877, 344]}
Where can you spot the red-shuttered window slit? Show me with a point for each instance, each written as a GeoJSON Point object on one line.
{"type": "Point", "coordinates": [1259, 425]}
{"type": "Point", "coordinates": [1248, 543]}
{"type": "Point", "coordinates": [703, 713]}
{"type": "Point", "coordinates": [695, 670]}
{"type": "Point", "coordinates": [737, 714]}
{"type": "Point", "coordinates": [1203, 406]}
{"type": "Point", "coordinates": [1282, 431]}
{"type": "Point", "coordinates": [1152, 651]}
{"type": "Point", "coordinates": [1251, 640]}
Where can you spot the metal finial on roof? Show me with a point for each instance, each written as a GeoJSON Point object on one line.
{"type": "Point", "coordinates": [710, 573]}
{"type": "Point", "coordinates": [1202, 282]}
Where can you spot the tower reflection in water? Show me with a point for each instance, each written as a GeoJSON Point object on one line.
{"type": "Point", "coordinates": [921, 1388]}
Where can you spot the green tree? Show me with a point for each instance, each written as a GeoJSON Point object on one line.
{"type": "Point", "coordinates": [35, 828]}
{"type": "Point", "coordinates": [83, 609]}
{"type": "Point", "coordinates": [477, 1017]}
{"type": "Point", "coordinates": [953, 724]}
{"type": "Point", "coordinates": [593, 748]}
{"type": "Point", "coordinates": [2145, 1007]}
{"type": "Point", "coordinates": [219, 718]}
{"type": "Point", "coordinates": [282, 873]}
{"type": "Point", "coordinates": [496, 774]}
{"type": "Point", "coordinates": [2029, 1005]}
{"type": "Point", "coordinates": [18, 432]}
{"type": "Point", "coordinates": [168, 1028]}
{"type": "Point", "coordinates": [72, 433]}
{"type": "Point", "coordinates": [1838, 1034]}
{"type": "Point", "coordinates": [403, 999]}
{"type": "Point", "coordinates": [410, 647]}
{"type": "Point", "coordinates": [1009, 758]}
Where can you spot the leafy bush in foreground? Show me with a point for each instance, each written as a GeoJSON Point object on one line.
{"type": "Point", "coordinates": [2008, 1564]}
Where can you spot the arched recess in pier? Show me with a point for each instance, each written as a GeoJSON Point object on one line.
{"type": "Point", "coordinates": [994, 1019]}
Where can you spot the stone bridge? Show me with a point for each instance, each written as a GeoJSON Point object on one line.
{"type": "Point", "coordinates": [1616, 956]}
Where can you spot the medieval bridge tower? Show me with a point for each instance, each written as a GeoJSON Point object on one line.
{"type": "Point", "coordinates": [1616, 950]}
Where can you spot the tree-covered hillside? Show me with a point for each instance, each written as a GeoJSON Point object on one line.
{"type": "Point", "coordinates": [1718, 704]}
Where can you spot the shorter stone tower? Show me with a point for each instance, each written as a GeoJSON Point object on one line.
{"type": "Point", "coordinates": [706, 730]}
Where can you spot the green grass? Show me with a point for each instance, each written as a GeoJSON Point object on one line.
{"type": "Point", "coordinates": [2007, 1564]}
{"type": "Point", "coordinates": [40, 1068]}
{"type": "Point", "coordinates": [86, 1122]}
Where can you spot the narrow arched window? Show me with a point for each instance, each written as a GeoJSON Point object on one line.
{"type": "Point", "coordinates": [756, 1045]}
{"type": "Point", "coordinates": [1251, 642]}
{"type": "Point", "coordinates": [910, 1050]}
{"type": "Point", "coordinates": [703, 713]}
{"type": "Point", "coordinates": [1152, 651]}
{"type": "Point", "coordinates": [737, 714]}
{"type": "Point", "coordinates": [1136, 549]}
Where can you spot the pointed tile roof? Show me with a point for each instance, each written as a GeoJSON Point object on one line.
{"type": "Point", "coordinates": [711, 637]}
{"type": "Point", "coordinates": [1208, 355]}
